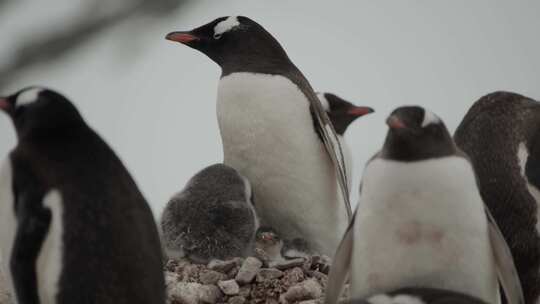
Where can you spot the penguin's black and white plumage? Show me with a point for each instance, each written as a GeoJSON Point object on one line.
{"type": "Point", "coordinates": [418, 217]}
{"type": "Point", "coordinates": [419, 295]}
{"type": "Point", "coordinates": [342, 114]}
{"type": "Point", "coordinates": [74, 227]}
{"type": "Point", "coordinates": [211, 218]}
{"type": "Point", "coordinates": [501, 135]}
{"type": "Point", "coordinates": [274, 131]}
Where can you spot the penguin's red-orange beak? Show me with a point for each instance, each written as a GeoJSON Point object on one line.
{"type": "Point", "coordinates": [359, 111]}
{"type": "Point", "coordinates": [182, 37]}
{"type": "Point", "coordinates": [395, 123]}
{"type": "Point", "coordinates": [5, 105]}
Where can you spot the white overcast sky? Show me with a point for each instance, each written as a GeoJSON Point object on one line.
{"type": "Point", "coordinates": [154, 101]}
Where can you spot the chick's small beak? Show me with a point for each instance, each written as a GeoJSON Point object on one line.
{"type": "Point", "coordinates": [360, 111]}
{"type": "Point", "coordinates": [182, 37]}
{"type": "Point", "coordinates": [395, 123]}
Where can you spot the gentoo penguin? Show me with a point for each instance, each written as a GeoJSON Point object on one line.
{"type": "Point", "coordinates": [211, 218]}
{"type": "Point", "coordinates": [74, 226]}
{"type": "Point", "coordinates": [501, 135]}
{"type": "Point", "coordinates": [418, 217]}
{"type": "Point", "coordinates": [342, 113]}
{"type": "Point", "coordinates": [270, 246]}
{"type": "Point", "coordinates": [419, 295]}
{"type": "Point", "coordinates": [275, 131]}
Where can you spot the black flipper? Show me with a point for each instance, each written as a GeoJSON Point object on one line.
{"type": "Point", "coordinates": [33, 221]}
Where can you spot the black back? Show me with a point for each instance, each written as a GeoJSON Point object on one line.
{"type": "Point", "coordinates": [111, 248]}
{"type": "Point", "coordinates": [490, 134]}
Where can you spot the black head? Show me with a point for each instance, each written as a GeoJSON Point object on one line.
{"type": "Point", "coordinates": [416, 133]}
{"type": "Point", "coordinates": [267, 235]}
{"type": "Point", "coordinates": [40, 110]}
{"type": "Point", "coordinates": [341, 112]}
{"type": "Point", "coordinates": [235, 43]}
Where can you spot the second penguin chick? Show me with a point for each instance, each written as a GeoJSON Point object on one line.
{"type": "Point", "coordinates": [270, 247]}
{"type": "Point", "coordinates": [211, 218]}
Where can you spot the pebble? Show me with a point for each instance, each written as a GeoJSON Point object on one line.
{"type": "Point", "coordinates": [245, 290]}
{"type": "Point", "coordinates": [294, 275]}
{"type": "Point", "coordinates": [229, 287]}
{"type": "Point", "coordinates": [209, 294]}
{"type": "Point", "coordinates": [211, 277]}
{"type": "Point", "coordinates": [248, 271]}
{"type": "Point", "coordinates": [286, 264]}
{"type": "Point", "coordinates": [223, 266]}
{"type": "Point", "coordinates": [268, 274]}
{"type": "Point", "coordinates": [237, 300]}
{"type": "Point", "coordinates": [186, 293]}
{"type": "Point", "coordinates": [306, 290]}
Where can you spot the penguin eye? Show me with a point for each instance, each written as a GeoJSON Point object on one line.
{"type": "Point", "coordinates": [217, 36]}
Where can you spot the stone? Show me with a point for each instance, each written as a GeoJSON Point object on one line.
{"type": "Point", "coordinates": [248, 271]}
{"type": "Point", "coordinates": [211, 277]}
{"type": "Point", "coordinates": [184, 292]}
{"type": "Point", "coordinates": [223, 266]}
{"type": "Point", "coordinates": [268, 274]}
{"type": "Point", "coordinates": [306, 290]}
{"type": "Point", "coordinates": [237, 300]}
{"type": "Point", "coordinates": [245, 290]}
{"type": "Point", "coordinates": [209, 294]}
{"type": "Point", "coordinates": [294, 276]}
{"type": "Point", "coordinates": [286, 264]}
{"type": "Point", "coordinates": [229, 287]}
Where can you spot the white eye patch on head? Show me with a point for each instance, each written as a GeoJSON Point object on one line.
{"type": "Point", "coordinates": [226, 25]}
{"type": "Point", "coordinates": [27, 97]}
{"type": "Point", "coordinates": [430, 118]}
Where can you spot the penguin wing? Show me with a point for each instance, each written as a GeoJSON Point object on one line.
{"type": "Point", "coordinates": [339, 271]}
{"type": "Point", "coordinates": [32, 225]}
{"type": "Point", "coordinates": [506, 269]}
{"type": "Point", "coordinates": [334, 149]}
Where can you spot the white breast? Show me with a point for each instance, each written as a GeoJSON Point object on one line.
{"type": "Point", "coordinates": [269, 137]}
{"type": "Point", "coordinates": [8, 222]}
{"type": "Point", "coordinates": [523, 155]}
{"type": "Point", "coordinates": [422, 224]}
{"type": "Point", "coordinates": [49, 263]}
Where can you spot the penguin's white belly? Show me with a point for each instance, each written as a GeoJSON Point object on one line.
{"type": "Point", "coordinates": [49, 262]}
{"type": "Point", "coordinates": [8, 222]}
{"type": "Point", "coordinates": [523, 155]}
{"type": "Point", "coordinates": [268, 136]}
{"type": "Point", "coordinates": [422, 224]}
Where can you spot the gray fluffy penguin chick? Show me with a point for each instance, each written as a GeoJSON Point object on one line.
{"type": "Point", "coordinates": [211, 218]}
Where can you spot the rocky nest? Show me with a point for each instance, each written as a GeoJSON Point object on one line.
{"type": "Point", "coordinates": [249, 280]}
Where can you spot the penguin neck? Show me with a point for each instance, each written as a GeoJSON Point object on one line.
{"type": "Point", "coordinates": [46, 132]}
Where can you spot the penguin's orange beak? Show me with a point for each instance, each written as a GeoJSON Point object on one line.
{"type": "Point", "coordinates": [359, 111]}
{"type": "Point", "coordinates": [395, 123]}
{"type": "Point", "coordinates": [182, 37]}
{"type": "Point", "coordinates": [5, 105]}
